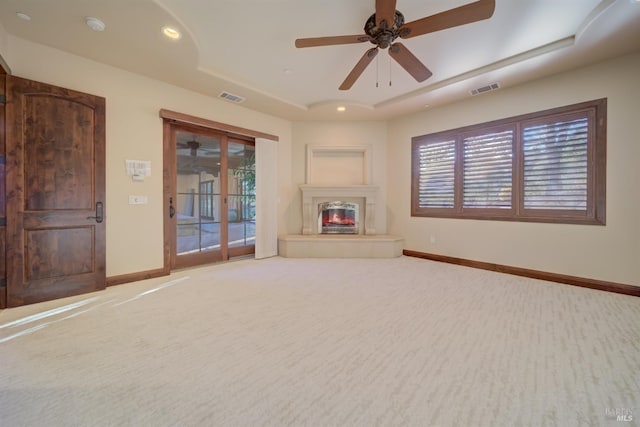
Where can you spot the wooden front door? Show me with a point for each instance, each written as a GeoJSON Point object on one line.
{"type": "Point", "coordinates": [55, 191]}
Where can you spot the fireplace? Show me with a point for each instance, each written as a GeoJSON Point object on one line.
{"type": "Point", "coordinates": [338, 217]}
{"type": "Point", "coordinates": [362, 196]}
{"type": "Point", "coordinates": [342, 211]}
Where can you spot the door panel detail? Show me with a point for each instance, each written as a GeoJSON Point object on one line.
{"type": "Point", "coordinates": [58, 253]}
{"type": "Point", "coordinates": [57, 164]}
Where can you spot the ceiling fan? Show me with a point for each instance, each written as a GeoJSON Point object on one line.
{"type": "Point", "coordinates": [387, 24]}
{"type": "Point", "coordinates": [192, 145]}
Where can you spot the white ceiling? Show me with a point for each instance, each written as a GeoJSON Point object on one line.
{"type": "Point", "coordinates": [246, 47]}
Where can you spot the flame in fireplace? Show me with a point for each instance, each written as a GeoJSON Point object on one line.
{"type": "Point", "coordinates": [339, 217]}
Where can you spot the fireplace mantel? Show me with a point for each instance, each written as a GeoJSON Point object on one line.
{"type": "Point", "coordinates": [317, 192]}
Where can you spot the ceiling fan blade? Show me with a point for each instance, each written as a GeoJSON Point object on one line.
{"type": "Point", "coordinates": [472, 12]}
{"type": "Point", "coordinates": [385, 11]}
{"type": "Point", "coordinates": [331, 40]}
{"type": "Point", "coordinates": [409, 62]}
{"type": "Point", "coordinates": [359, 68]}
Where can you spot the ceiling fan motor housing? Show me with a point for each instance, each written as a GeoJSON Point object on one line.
{"type": "Point", "coordinates": [193, 147]}
{"type": "Point", "coordinates": [382, 35]}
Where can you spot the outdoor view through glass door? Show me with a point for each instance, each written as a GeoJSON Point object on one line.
{"type": "Point", "coordinates": [214, 205]}
{"type": "Point", "coordinates": [241, 197]}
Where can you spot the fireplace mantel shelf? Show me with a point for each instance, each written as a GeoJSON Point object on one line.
{"type": "Point", "coordinates": [367, 191]}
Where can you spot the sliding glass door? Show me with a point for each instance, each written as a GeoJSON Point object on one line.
{"type": "Point", "coordinates": [241, 197]}
{"type": "Point", "coordinates": [213, 202]}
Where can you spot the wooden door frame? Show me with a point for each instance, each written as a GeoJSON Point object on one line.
{"type": "Point", "coordinates": [171, 118]}
{"type": "Point", "coordinates": [3, 212]}
{"type": "Point", "coordinates": [170, 163]}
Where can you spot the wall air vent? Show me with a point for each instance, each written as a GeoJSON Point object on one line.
{"type": "Point", "coordinates": [483, 89]}
{"type": "Point", "coordinates": [231, 97]}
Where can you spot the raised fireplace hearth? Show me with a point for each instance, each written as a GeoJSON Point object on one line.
{"type": "Point", "coordinates": [340, 246]}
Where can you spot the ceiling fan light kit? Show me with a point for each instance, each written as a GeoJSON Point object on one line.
{"type": "Point", "coordinates": [387, 24]}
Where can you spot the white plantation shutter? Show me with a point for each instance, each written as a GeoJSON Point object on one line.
{"type": "Point", "coordinates": [437, 174]}
{"type": "Point", "coordinates": [555, 165]}
{"type": "Point", "coordinates": [488, 170]}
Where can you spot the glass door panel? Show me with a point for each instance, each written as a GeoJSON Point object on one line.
{"type": "Point", "coordinates": [241, 197]}
{"type": "Point", "coordinates": [198, 193]}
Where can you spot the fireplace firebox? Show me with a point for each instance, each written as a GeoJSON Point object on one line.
{"type": "Point", "coordinates": [338, 217]}
{"type": "Point", "coordinates": [364, 196]}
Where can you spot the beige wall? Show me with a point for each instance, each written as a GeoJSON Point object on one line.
{"type": "Point", "coordinates": [134, 131]}
{"type": "Point", "coordinates": [608, 253]}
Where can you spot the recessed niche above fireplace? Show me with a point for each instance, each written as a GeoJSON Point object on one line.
{"type": "Point", "coordinates": [348, 165]}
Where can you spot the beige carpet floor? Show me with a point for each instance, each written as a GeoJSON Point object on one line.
{"type": "Point", "coordinates": [310, 342]}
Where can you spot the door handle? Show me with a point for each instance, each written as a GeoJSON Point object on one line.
{"type": "Point", "coordinates": [172, 210]}
{"type": "Point", "coordinates": [99, 213]}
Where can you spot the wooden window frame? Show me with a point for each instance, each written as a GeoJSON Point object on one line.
{"type": "Point", "coordinates": [595, 213]}
{"type": "Point", "coordinates": [206, 203]}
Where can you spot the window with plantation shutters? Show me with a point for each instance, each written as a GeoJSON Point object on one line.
{"type": "Point", "coordinates": [555, 164]}
{"type": "Point", "coordinates": [548, 166]}
{"type": "Point", "coordinates": [488, 170]}
{"type": "Point", "coordinates": [437, 174]}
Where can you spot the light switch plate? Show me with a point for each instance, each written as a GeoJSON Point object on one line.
{"type": "Point", "coordinates": [137, 200]}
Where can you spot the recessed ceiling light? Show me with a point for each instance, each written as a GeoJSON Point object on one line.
{"type": "Point", "coordinates": [95, 24]}
{"type": "Point", "coordinates": [171, 32]}
{"type": "Point", "coordinates": [23, 16]}
{"type": "Point", "coordinates": [341, 108]}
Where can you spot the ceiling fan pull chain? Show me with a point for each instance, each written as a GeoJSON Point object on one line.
{"type": "Point", "coordinates": [377, 72]}
{"type": "Point", "coordinates": [389, 71]}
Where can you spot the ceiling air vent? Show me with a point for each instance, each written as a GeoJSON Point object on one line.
{"type": "Point", "coordinates": [231, 97]}
{"type": "Point", "coordinates": [483, 89]}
